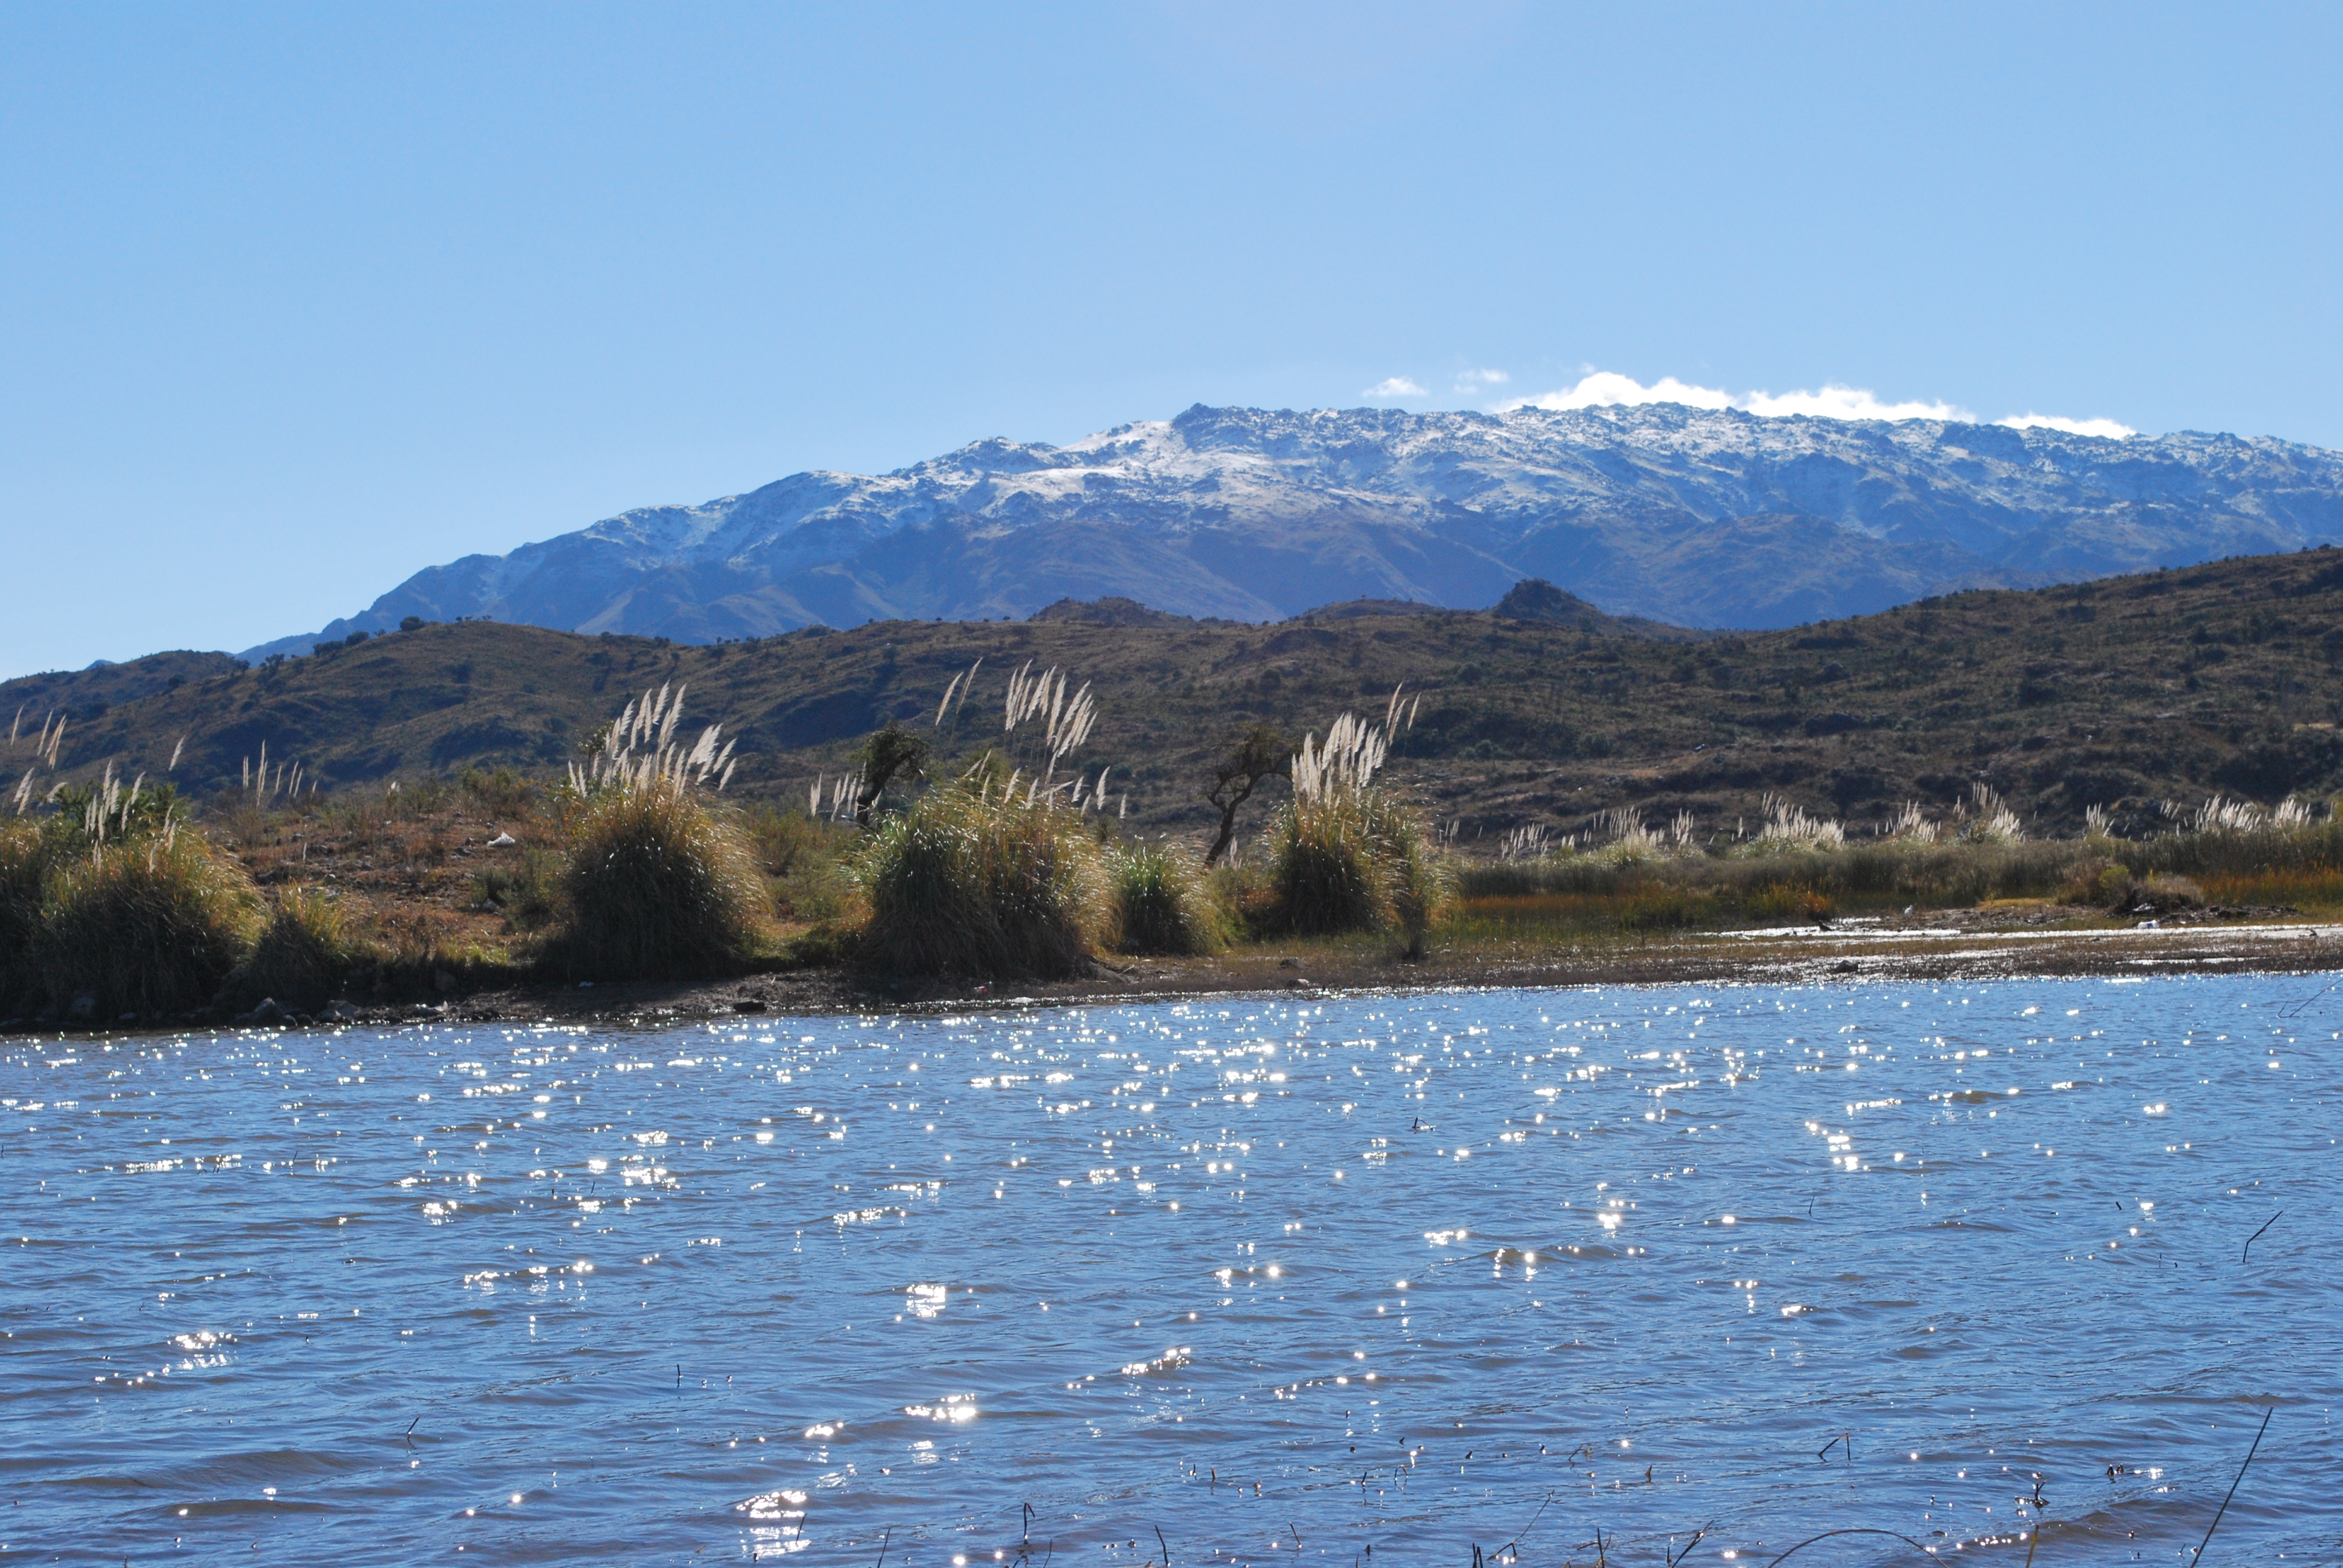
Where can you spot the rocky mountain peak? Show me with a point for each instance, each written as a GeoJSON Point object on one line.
{"type": "Point", "coordinates": [1700, 518]}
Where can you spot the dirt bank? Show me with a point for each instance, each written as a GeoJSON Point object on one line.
{"type": "Point", "coordinates": [1854, 953]}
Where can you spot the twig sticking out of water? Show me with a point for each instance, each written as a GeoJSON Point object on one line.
{"type": "Point", "coordinates": [2034, 1536]}
{"type": "Point", "coordinates": [2257, 1236]}
{"type": "Point", "coordinates": [1850, 1529]}
{"type": "Point", "coordinates": [1167, 1547]}
{"type": "Point", "coordinates": [1675, 1558]}
{"type": "Point", "coordinates": [2234, 1484]}
{"type": "Point", "coordinates": [1513, 1547]}
{"type": "Point", "coordinates": [889, 1536]}
{"type": "Point", "coordinates": [1847, 1438]}
{"type": "Point", "coordinates": [2297, 1008]}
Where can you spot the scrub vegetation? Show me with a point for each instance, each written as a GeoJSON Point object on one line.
{"type": "Point", "coordinates": [1022, 821]}
{"type": "Point", "coordinates": [2122, 693]}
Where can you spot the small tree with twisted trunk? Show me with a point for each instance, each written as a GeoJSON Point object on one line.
{"type": "Point", "coordinates": [887, 756]}
{"type": "Point", "coordinates": [1251, 758]}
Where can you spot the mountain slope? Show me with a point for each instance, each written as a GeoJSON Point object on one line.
{"type": "Point", "coordinates": [1699, 517]}
{"type": "Point", "coordinates": [2167, 686]}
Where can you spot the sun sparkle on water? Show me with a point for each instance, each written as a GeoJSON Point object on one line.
{"type": "Point", "coordinates": [1420, 1273]}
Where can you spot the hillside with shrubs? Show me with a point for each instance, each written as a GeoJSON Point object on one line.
{"type": "Point", "coordinates": [449, 806]}
{"type": "Point", "coordinates": [2123, 693]}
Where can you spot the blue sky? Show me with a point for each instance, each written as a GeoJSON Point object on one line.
{"type": "Point", "coordinates": [298, 300]}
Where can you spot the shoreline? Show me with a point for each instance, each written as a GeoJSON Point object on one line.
{"type": "Point", "coordinates": [1917, 951]}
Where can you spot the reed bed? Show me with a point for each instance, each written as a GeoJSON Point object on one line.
{"type": "Point", "coordinates": [2303, 888]}
{"type": "Point", "coordinates": [1795, 868]}
{"type": "Point", "coordinates": [633, 868]}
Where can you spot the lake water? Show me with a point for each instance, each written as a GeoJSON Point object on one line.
{"type": "Point", "coordinates": [1355, 1281]}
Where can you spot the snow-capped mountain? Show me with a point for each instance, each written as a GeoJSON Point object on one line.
{"type": "Point", "coordinates": [1703, 517]}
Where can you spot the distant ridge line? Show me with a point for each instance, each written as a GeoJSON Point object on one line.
{"type": "Point", "coordinates": [1674, 516]}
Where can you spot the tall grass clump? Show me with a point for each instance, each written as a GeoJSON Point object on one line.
{"type": "Point", "coordinates": [657, 887]}
{"type": "Point", "coordinates": [26, 856]}
{"type": "Point", "coordinates": [146, 926]}
{"type": "Point", "coordinates": [1790, 830]}
{"type": "Point", "coordinates": [1991, 822]}
{"type": "Point", "coordinates": [979, 877]}
{"type": "Point", "coordinates": [977, 881]}
{"type": "Point", "coordinates": [1346, 855]}
{"type": "Point", "coordinates": [304, 953]}
{"type": "Point", "coordinates": [1162, 903]}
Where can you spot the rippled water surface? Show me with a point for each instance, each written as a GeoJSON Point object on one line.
{"type": "Point", "coordinates": [1281, 1280]}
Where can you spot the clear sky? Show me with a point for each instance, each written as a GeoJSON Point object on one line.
{"type": "Point", "coordinates": [298, 300]}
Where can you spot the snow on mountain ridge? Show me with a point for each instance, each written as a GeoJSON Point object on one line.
{"type": "Point", "coordinates": [1696, 515]}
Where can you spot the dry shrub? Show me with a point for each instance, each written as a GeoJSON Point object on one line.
{"type": "Point", "coordinates": [2097, 882]}
{"type": "Point", "coordinates": [1789, 901]}
{"type": "Point", "coordinates": [1162, 904]}
{"type": "Point", "coordinates": [147, 927]}
{"type": "Point", "coordinates": [962, 884]}
{"type": "Point", "coordinates": [805, 859]}
{"type": "Point", "coordinates": [1665, 910]}
{"type": "Point", "coordinates": [526, 890]}
{"type": "Point", "coordinates": [787, 841]}
{"type": "Point", "coordinates": [656, 888]}
{"type": "Point", "coordinates": [304, 953]}
{"type": "Point", "coordinates": [504, 792]}
{"type": "Point", "coordinates": [423, 952]}
{"type": "Point", "coordinates": [2159, 893]}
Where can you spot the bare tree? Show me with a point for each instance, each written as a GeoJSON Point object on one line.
{"type": "Point", "coordinates": [1251, 758]}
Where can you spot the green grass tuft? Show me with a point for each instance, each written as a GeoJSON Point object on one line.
{"type": "Point", "coordinates": [149, 926]}
{"type": "Point", "coordinates": [304, 953]}
{"type": "Point", "coordinates": [656, 888]}
{"type": "Point", "coordinates": [27, 857]}
{"type": "Point", "coordinates": [1162, 903]}
{"type": "Point", "coordinates": [962, 885]}
{"type": "Point", "coordinates": [1356, 860]}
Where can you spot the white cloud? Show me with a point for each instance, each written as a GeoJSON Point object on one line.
{"type": "Point", "coordinates": [1836, 402]}
{"type": "Point", "coordinates": [1833, 402]}
{"type": "Point", "coordinates": [2106, 428]}
{"type": "Point", "coordinates": [1474, 380]}
{"type": "Point", "coordinates": [1605, 387]}
{"type": "Point", "coordinates": [1394, 387]}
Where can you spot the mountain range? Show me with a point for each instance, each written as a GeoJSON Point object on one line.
{"type": "Point", "coordinates": [1696, 517]}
